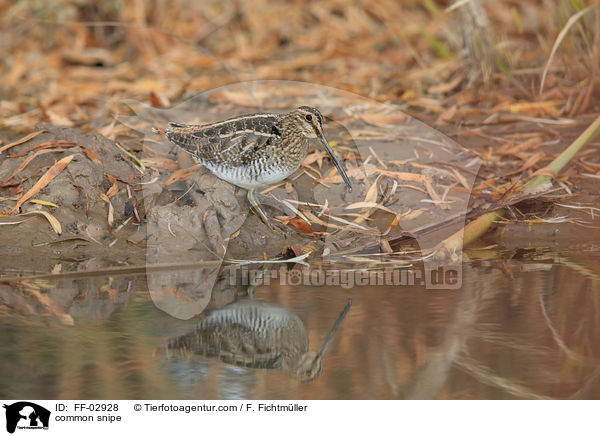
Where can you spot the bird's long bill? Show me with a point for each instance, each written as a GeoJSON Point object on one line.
{"type": "Point", "coordinates": [336, 161]}
{"type": "Point", "coordinates": [334, 330]}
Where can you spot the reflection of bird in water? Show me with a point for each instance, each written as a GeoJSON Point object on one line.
{"type": "Point", "coordinates": [257, 334]}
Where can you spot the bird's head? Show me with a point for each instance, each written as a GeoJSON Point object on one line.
{"type": "Point", "coordinates": [310, 364]}
{"type": "Point", "coordinates": [308, 121]}
{"type": "Point", "coordinates": [309, 367]}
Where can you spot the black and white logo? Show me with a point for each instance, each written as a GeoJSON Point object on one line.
{"type": "Point", "coordinates": [26, 415]}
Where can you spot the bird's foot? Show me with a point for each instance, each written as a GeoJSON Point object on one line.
{"type": "Point", "coordinates": [261, 213]}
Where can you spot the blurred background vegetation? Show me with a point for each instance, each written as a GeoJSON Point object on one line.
{"type": "Point", "coordinates": [70, 62]}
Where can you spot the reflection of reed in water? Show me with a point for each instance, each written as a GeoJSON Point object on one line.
{"type": "Point", "coordinates": [257, 334]}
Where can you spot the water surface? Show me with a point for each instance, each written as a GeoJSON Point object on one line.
{"type": "Point", "coordinates": [516, 329]}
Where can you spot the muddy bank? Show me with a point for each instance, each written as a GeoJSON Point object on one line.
{"type": "Point", "coordinates": [99, 212]}
{"type": "Point", "coordinates": [141, 200]}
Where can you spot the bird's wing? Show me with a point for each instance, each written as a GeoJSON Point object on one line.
{"type": "Point", "coordinates": [238, 138]}
{"type": "Point", "coordinates": [231, 343]}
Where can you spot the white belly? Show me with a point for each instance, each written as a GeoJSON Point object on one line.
{"type": "Point", "coordinates": [244, 178]}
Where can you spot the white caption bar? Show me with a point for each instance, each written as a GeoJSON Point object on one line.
{"type": "Point", "coordinates": [297, 417]}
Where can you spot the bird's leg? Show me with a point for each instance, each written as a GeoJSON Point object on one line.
{"type": "Point", "coordinates": [258, 208]}
{"type": "Point", "coordinates": [284, 206]}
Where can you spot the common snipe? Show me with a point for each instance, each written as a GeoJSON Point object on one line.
{"type": "Point", "coordinates": [257, 334]}
{"type": "Point", "coordinates": [256, 150]}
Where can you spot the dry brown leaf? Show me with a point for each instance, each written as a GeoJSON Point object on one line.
{"type": "Point", "coordinates": [43, 202]}
{"type": "Point", "coordinates": [91, 154]}
{"type": "Point", "coordinates": [51, 219]}
{"type": "Point", "coordinates": [385, 246]}
{"type": "Point", "coordinates": [371, 195]}
{"type": "Point", "coordinates": [316, 156]}
{"type": "Point", "coordinates": [298, 223]}
{"type": "Point", "coordinates": [183, 174]}
{"type": "Point", "coordinates": [398, 175]}
{"type": "Point", "coordinates": [447, 115]}
{"type": "Point", "coordinates": [158, 99]}
{"type": "Point", "coordinates": [111, 210]}
{"type": "Point", "coordinates": [112, 191]}
{"type": "Point", "coordinates": [22, 140]}
{"type": "Point", "coordinates": [54, 170]}
{"type": "Point", "coordinates": [370, 198]}
{"type": "Point", "coordinates": [533, 108]}
{"type": "Point", "coordinates": [443, 88]}
{"type": "Point", "coordinates": [49, 144]}
{"type": "Point", "coordinates": [161, 163]}
{"type": "Point", "coordinates": [59, 119]}
{"type": "Point", "coordinates": [314, 170]}
{"type": "Point", "coordinates": [28, 160]}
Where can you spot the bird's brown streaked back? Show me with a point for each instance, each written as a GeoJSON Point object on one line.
{"type": "Point", "coordinates": [257, 149]}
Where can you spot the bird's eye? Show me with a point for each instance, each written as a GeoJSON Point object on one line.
{"type": "Point", "coordinates": [308, 117]}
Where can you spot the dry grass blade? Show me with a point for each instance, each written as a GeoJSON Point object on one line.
{"type": "Point", "coordinates": [366, 204]}
{"type": "Point", "coordinates": [139, 165]}
{"type": "Point", "coordinates": [51, 219]}
{"type": "Point", "coordinates": [349, 223]}
{"type": "Point", "coordinates": [296, 211]}
{"type": "Point", "coordinates": [297, 259]}
{"type": "Point", "coordinates": [54, 170]}
{"type": "Point", "coordinates": [435, 197]}
{"type": "Point", "coordinates": [317, 220]}
{"type": "Point", "coordinates": [12, 223]}
{"type": "Point", "coordinates": [570, 22]}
